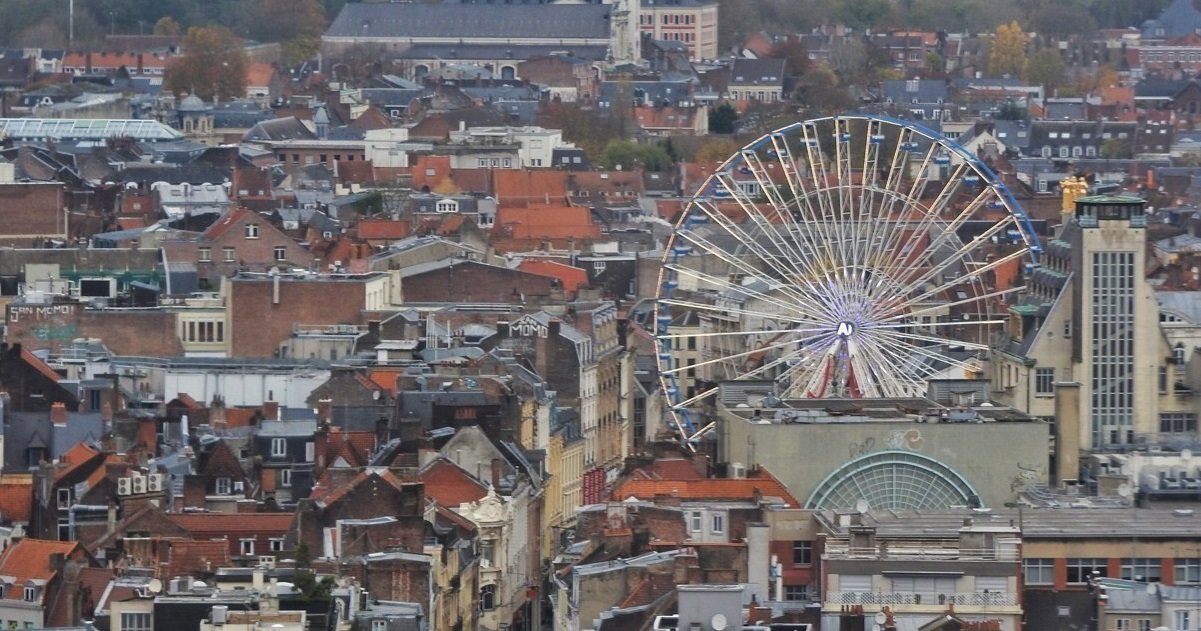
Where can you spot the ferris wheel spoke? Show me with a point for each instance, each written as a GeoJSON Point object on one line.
{"type": "Point", "coordinates": [725, 310]}
{"type": "Point", "coordinates": [908, 254]}
{"type": "Point", "coordinates": [733, 258]}
{"type": "Point", "coordinates": [936, 323]}
{"type": "Point", "coordinates": [749, 292]}
{"type": "Point", "coordinates": [942, 306]}
{"type": "Point", "coordinates": [726, 358]}
{"type": "Point", "coordinates": [929, 338]}
{"type": "Point", "coordinates": [961, 255]}
{"type": "Point", "coordinates": [697, 397]}
{"type": "Point", "coordinates": [784, 256]}
{"type": "Point", "coordinates": [816, 345]}
{"type": "Point", "coordinates": [925, 351]}
{"type": "Point", "coordinates": [890, 383]}
{"type": "Point", "coordinates": [970, 276]}
{"type": "Point", "coordinates": [752, 245]}
{"type": "Point", "coordinates": [683, 336]}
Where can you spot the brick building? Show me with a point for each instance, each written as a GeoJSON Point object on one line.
{"type": "Point", "coordinates": [240, 240]}
{"type": "Point", "coordinates": [264, 309]}
{"type": "Point", "coordinates": [33, 211]}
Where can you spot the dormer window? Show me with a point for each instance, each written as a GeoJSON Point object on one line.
{"type": "Point", "coordinates": [31, 593]}
{"type": "Point", "coordinates": [447, 206]}
{"type": "Point", "coordinates": [251, 230]}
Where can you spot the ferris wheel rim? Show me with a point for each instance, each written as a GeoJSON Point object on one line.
{"type": "Point", "coordinates": [1014, 219]}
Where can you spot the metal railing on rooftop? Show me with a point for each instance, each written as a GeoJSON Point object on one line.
{"type": "Point", "coordinates": [970, 599]}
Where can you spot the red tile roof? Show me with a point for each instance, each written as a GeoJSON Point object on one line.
{"type": "Point", "coordinates": [570, 276]}
{"type": "Point", "coordinates": [449, 485]}
{"type": "Point", "coordinates": [383, 229]}
{"type": "Point", "coordinates": [187, 401]}
{"type": "Point", "coordinates": [37, 364]}
{"type": "Point", "coordinates": [189, 557]}
{"type": "Point", "coordinates": [710, 489]}
{"type": "Point", "coordinates": [30, 559]}
{"type": "Point", "coordinates": [75, 457]}
{"type": "Point", "coordinates": [385, 378]}
{"type": "Point", "coordinates": [16, 498]}
{"type": "Point", "coordinates": [516, 188]}
{"type": "Point", "coordinates": [225, 223]}
{"type": "Point", "coordinates": [546, 222]}
{"type": "Point", "coordinates": [328, 496]}
{"type": "Point", "coordinates": [204, 525]}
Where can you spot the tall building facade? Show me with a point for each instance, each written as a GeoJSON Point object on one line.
{"type": "Point", "coordinates": [1084, 346]}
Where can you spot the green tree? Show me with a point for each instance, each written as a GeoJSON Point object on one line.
{"type": "Point", "coordinates": [167, 25]}
{"type": "Point", "coordinates": [628, 155]}
{"type": "Point", "coordinates": [1007, 55]}
{"type": "Point", "coordinates": [1046, 68]}
{"type": "Point", "coordinates": [863, 14]}
{"type": "Point", "coordinates": [591, 130]}
{"type": "Point", "coordinates": [716, 150]}
{"type": "Point", "coordinates": [722, 119]}
{"type": "Point", "coordinates": [213, 64]}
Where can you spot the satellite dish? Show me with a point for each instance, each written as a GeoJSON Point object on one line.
{"type": "Point", "coordinates": [881, 618]}
{"type": "Point", "coordinates": [862, 505]}
{"type": "Point", "coordinates": [719, 622]}
{"type": "Point", "coordinates": [1186, 453]}
{"type": "Point", "coordinates": [375, 395]}
{"type": "Point", "coordinates": [155, 586]}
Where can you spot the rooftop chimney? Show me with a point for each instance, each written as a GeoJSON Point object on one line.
{"type": "Point", "coordinates": [58, 413]}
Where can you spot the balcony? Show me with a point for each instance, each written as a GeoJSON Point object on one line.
{"type": "Point", "coordinates": [897, 599]}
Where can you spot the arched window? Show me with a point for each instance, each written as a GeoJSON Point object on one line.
{"type": "Point", "coordinates": [1178, 354]}
{"type": "Point", "coordinates": [447, 206]}
{"type": "Point", "coordinates": [508, 72]}
{"type": "Point", "coordinates": [488, 598]}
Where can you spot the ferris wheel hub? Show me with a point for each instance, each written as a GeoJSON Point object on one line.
{"type": "Point", "coordinates": [845, 329]}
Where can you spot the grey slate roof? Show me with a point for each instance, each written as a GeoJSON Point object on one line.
{"type": "Point", "coordinates": [1178, 19]}
{"type": "Point", "coordinates": [516, 21]}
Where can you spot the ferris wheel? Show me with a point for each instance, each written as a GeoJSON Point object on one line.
{"type": "Point", "coordinates": [853, 256]}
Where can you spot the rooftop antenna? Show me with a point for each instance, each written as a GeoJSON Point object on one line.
{"type": "Point", "coordinates": [71, 24]}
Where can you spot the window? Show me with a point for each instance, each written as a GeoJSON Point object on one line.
{"type": "Point", "coordinates": [1178, 354]}
{"type": "Point", "coordinates": [31, 593]}
{"type": "Point", "coordinates": [251, 231]}
{"type": "Point", "coordinates": [230, 254]}
{"type": "Point", "coordinates": [135, 622]}
{"type": "Point", "coordinates": [247, 547]}
{"type": "Point", "coordinates": [223, 486]}
{"type": "Point", "coordinates": [1177, 422]}
{"type": "Point", "coordinates": [1038, 571]}
{"type": "Point", "coordinates": [488, 551]}
{"type": "Point", "coordinates": [796, 593]}
{"type": "Point", "coordinates": [1144, 624]}
{"type": "Point", "coordinates": [802, 553]}
{"type": "Point", "coordinates": [696, 521]}
{"type": "Point", "coordinates": [1188, 571]}
{"type": "Point", "coordinates": [446, 206]}
{"type": "Point", "coordinates": [279, 447]}
{"type": "Point", "coordinates": [276, 544]}
{"type": "Point", "coordinates": [285, 478]}
{"type": "Point", "coordinates": [379, 625]}
{"type": "Point", "coordinates": [488, 597]}
{"type": "Point", "coordinates": [1183, 620]}
{"type": "Point", "coordinates": [719, 523]}
{"type": "Point", "coordinates": [205, 255]}
{"type": "Point", "coordinates": [1079, 570]}
{"type": "Point", "coordinates": [1044, 381]}
{"type": "Point", "coordinates": [1122, 624]}
{"type": "Point", "coordinates": [64, 498]}
{"type": "Point", "coordinates": [923, 584]}
{"type": "Point", "coordinates": [1163, 382]}
{"type": "Point", "coordinates": [281, 253]}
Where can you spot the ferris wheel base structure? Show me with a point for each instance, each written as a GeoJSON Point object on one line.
{"type": "Point", "coordinates": [847, 257]}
